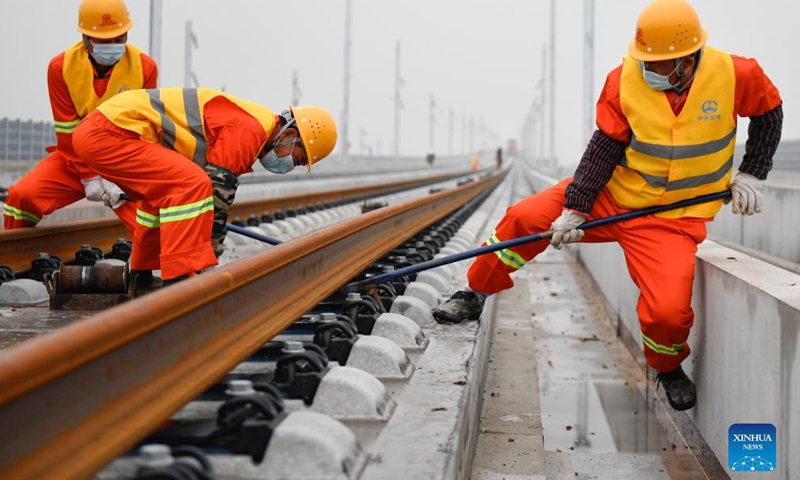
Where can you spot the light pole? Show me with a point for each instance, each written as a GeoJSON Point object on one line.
{"type": "Point", "coordinates": [398, 102]}
{"type": "Point", "coordinates": [295, 89]}
{"type": "Point", "coordinates": [450, 137]}
{"type": "Point", "coordinates": [191, 41]}
{"type": "Point", "coordinates": [346, 102]}
{"type": "Point", "coordinates": [432, 120]}
{"type": "Point", "coordinates": [552, 153]}
{"type": "Point", "coordinates": [588, 70]}
{"type": "Point", "coordinates": [155, 31]}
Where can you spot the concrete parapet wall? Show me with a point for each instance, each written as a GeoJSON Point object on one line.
{"type": "Point", "coordinates": [745, 341]}
{"type": "Point", "coordinates": [775, 231]}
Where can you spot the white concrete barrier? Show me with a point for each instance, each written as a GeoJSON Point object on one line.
{"type": "Point", "coordinates": [774, 231]}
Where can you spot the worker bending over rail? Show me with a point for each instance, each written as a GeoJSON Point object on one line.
{"type": "Point", "coordinates": [179, 153]}
{"type": "Point", "coordinates": [666, 131]}
{"type": "Point", "coordinates": [88, 73]}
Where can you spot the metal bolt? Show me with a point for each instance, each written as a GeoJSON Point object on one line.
{"type": "Point", "coordinates": [328, 317]}
{"type": "Point", "coordinates": [354, 296]}
{"type": "Point", "coordinates": [240, 387]}
{"type": "Point", "coordinates": [400, 259]}
{"type": "Point", "coordinates": [388, 268]}
{"type": "Point", "coordinates": [155, 455]}
{"type": "Point", "coordinates": [293, 347]}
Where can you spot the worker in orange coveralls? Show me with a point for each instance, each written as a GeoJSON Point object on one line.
{"type": "Point", "coordinates": [179, 152]}
{"type": "Point", "coordinates": [666, 130]}
{"type": "Point", "coordinates": [79, 79]}
{"type": "Point", "coordinates": [473, 162]}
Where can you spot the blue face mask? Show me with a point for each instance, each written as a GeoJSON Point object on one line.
{"type": "Point", "coordinates": [280, 165]}
{"type": "Point", "coordinates": [107, 54]}
{"type": "Point", "coordinates": [276, 164]}
{"type": "Point", "coordinates": [660, 82]}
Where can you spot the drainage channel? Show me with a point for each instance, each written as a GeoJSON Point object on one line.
{"type": "Point", "coordinates": [310, 403]}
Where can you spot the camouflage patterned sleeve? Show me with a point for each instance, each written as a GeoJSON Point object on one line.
{"type": "Point", "coordinates": [225, 184]}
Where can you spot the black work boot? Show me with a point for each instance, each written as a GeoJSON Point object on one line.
{"type": "Point", "coordinates": [175, 280]}
{"type": "Point", "coordinates": [144, 281]}
{"type": "Point", "coordinates": [680, 390]}
{"type": "Point", "coordinates": [459, 307]}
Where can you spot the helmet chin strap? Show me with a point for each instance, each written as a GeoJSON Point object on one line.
{"type": "Point", "coordinates": [682, 75]}
{"type": "Point", "coordinates": [289, 123]}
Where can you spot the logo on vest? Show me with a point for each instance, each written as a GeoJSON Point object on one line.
{"type": "Point", "coordinates": [123, 88]}
{"type": "Point", "coordinates": [751, 447]}
{"type": "Point", "coordinates": [709, 108]}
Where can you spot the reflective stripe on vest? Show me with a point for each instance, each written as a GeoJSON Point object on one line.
{"type": "Point", "coordinates": [688, 182]}
{"type": "Point", "coordinates": [675, 158]}
{"type": "Point", "coordinates": [127, 74]}
{"type": "Point", "coordinates": [194, 121]}
{"type": "Point", "coordinates": [167, 125]}
{"type": "Point", "coordinates": [174, 117]}
{"type": "Point", "coordinates": [507, 256]}
{"type": "Point", "coordinates": [18, 214]}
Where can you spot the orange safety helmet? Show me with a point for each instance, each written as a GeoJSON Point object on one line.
{"type": "Point", "coordinates": [317, 131]}
{"type": "Point", "coordinates": [667, 29]}
{"type": "Point", "coordinates": [104, 18]}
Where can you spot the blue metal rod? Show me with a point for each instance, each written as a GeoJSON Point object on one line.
{"type": "Point", "coordinates": [235, 229]}
{"type": "Point", "coordinates": [457, 257]}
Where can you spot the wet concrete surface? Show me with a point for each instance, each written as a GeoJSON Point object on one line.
{"type": "Point", "coordinates": [595, 418]}
{"type": "Point", "coordinates": [587, 405]}
{"type": "Point", "coordinates": [18, 324]}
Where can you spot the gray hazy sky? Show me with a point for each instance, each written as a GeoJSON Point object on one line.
{"type": "Point", "coordinates": [480, 58]}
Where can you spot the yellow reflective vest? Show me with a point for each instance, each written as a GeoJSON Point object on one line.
{"type": "Point", "coordinates": [79, 77]}
{"type": "Point", "coordinates": [675, 158]}
{"type": "Point", "coordinates": [174, 118]}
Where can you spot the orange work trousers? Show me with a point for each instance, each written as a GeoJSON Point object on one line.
{"type": "Point", "coordinates": [174, 194]}
{"type": "Point", "coordinates": [659, 252]}
{"type": "Point", "coordinates": [52, 184]}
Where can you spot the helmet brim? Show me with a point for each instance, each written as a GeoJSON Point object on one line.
{"type": "Point", "coordinates": [108, 34]}
{"type": "Point", "coordinates": [636, 52]}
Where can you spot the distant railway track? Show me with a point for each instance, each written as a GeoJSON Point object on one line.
{"type": "Point", "coordinates": [73, 400]}
{"type": "Point", "coordinates": [19, 247]}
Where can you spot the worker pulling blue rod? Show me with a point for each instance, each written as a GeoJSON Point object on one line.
{"type": "Point", "coordinates": [457, 257]}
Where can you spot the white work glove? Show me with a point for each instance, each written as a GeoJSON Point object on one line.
{"type": "Point", "coordinates": [93, 188]}
{"type": "Point", "coordinates": [747, 194]}
{"type": "Point", "coordinates": [99, 189]}
{"type": "Point", "coordinates": [565, 229]}
{"type": "Point", "coordinates": [112, 196]}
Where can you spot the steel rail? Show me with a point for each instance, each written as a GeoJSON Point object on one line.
{"type": "Point", "coordinates": [19, 247]}
{"type": "Point", "coordinates": [74, 399]}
